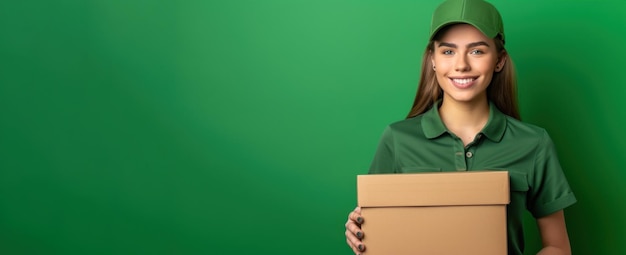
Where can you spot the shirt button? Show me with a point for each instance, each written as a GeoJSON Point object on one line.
{"type": "Point", "coordinates": [469, 154]}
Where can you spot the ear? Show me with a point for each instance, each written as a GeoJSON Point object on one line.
{"type": "Point", "coordinates": [432, 61]}
{"type": "Point", "coordinates": [501, 61]}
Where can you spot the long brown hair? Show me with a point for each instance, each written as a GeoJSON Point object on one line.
{"type": "Point", "coordinates": [502, 91]}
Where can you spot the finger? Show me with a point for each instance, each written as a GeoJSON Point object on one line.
{"type": "Point", "coordinates": [352, 246]}
{"type": "Point", "coordinates": [354, 232]}
{"type": "Point", "coordinates": [357, 246]}
{"type": "Point", "coordinates": [356, 216]}
{"type": "Point", "coordinates": [354, 229]}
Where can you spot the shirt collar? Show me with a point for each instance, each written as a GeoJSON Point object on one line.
{"type": "Point", "coordinates": [433, 127]}
{"type": "Point", "coordinates": [496, 125]}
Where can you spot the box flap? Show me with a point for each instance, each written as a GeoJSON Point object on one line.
{"type": "Point", "coordinates": [433, 189]}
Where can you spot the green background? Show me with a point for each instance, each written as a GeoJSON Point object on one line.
{"type": "Point", "coordinates": [236, 127]}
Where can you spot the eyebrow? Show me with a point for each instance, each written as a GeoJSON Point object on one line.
{"type": "Point", "coordinates": [470, 45]}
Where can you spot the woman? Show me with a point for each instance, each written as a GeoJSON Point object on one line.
{"type": "Point", "coordinates": [465, 117]}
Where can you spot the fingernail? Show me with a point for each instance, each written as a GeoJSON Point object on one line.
{"type": "Point", "coordinates": [359, 234]}
{"type": "Point", "coordinates": [360, 247]}
{"type": "Point", "coordinates": [359, 220]}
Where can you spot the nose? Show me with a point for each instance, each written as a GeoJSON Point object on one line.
{"type": "Point", "coordinates": [462, 64]}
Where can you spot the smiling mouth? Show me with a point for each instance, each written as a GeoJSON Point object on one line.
{"type": "Point", "coordinates": [464, 81]}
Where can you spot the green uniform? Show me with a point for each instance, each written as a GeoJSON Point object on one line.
{"type": "Point", "coordinates": [423, 144]}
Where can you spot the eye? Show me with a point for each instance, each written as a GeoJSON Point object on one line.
{"type": "Point", "coordinates": [447, 52]}
{"type": "Point", "coordinates": [476, 52]}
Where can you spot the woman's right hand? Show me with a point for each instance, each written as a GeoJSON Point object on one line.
{"type": "Point", "coordinates": [353, 231]}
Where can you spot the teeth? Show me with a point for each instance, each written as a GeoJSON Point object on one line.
{"type": "Point", "coordinates": [463, 81]}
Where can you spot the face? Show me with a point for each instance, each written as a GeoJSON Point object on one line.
{"type": "Point", "coordinates": [464, 60]}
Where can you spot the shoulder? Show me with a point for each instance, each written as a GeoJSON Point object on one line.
{"type": "Point", "coordinates": [524, 128]}
{"type": "Point", "coordinates": [527, 133]}
{"type": "Point", "coordinates": [404, 130]}
{"type": "Point", "coordinates": [411, 125]}
{"type": "Point", "coordinates": [407, 123]}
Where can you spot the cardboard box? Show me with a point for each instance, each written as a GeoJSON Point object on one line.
{"type": "Point", "coordinates": [443, 213]}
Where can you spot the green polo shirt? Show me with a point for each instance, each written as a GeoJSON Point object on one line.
{"type": "Point", "coordinates": [423, 144]}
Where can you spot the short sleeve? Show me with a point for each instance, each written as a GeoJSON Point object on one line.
{"type": "Point", "coordinates": [384, 159]}
{"type": "Point", "coordinates": [550, 192]}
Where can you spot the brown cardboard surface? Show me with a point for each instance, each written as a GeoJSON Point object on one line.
{"type": "Point", "coordinates": [448, 213]}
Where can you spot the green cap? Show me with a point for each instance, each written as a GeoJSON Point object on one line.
{"type": "Point", "coordinates": [477, 13]}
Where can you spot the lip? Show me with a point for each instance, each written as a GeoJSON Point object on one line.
{"type": "Point", "coordinates": [463, 82]}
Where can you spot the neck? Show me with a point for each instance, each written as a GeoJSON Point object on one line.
{"type": "Point", "coordinates": [464, 119]}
